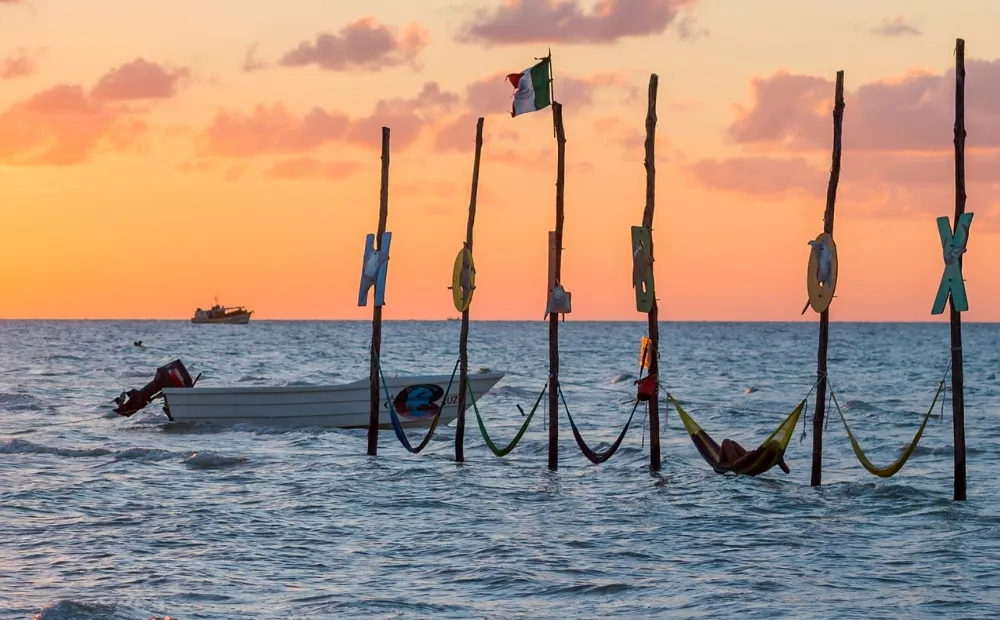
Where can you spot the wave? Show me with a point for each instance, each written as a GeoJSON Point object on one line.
{"type": "Point", "coordinates": [859, 405]}
{"type": "Point", "coordinates": [21, 446]}
{"type": "Point", "coordinates": [210, 460]}
{"type": "Point", "coordinates": [196, 460]}
{"type": "Point", "coordinates": [18, 402]}
{"type": "Point", "coordinates": [67, 609]}
{"type": "Point", "coordinates": [251, 379]}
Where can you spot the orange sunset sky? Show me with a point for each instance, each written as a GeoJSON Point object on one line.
{"type": "Point", "coordinates": [156, 154]}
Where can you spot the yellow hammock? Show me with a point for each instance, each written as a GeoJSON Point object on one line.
{"type": "Point", "coordinates": [770, 453]}
{"type": "Point", "coordinates": [891, 470]}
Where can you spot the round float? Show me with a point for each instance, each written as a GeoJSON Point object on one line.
{"type": "Point", "coordinates": [463, 258]}
{"type": "Point", "coordinates": [821, 295]}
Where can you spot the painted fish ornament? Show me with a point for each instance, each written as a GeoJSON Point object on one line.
{"type": "Point", "coordinates": [824, 268]}
{"type": "Point", "coordinates": [465, 278]}
{"type": "Point", "coordinates": [641, 263]}
{"type": "Point", "coordinates": [559, 302]}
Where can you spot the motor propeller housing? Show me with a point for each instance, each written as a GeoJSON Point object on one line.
{"type": "Point", "coordinates": [173, 374]}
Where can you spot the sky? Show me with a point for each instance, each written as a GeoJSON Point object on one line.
{"type": "Point", "coordinates": [156, 155]}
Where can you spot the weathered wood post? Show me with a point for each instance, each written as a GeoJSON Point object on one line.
{"type": "Point", "coordinates": [376, 346]}
{"type": "Point", "coordinates": [957, 374]}
{"type": "Point", "coordinates": [653, 315]}
{"type": "Point", "coordinates": [556, 268]}
{"type": "Point", "coordinates": [463, 340]}
{"type": "Point", "coordinates": [824, 317]}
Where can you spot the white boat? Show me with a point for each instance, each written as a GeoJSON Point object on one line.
{"type": "Point", "coordinates": [223, 315]}
{"type": "Point", "coordinates": [415, 398]}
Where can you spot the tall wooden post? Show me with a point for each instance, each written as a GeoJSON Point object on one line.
{"type": "Point", "coordinates": [376, 348]}
{"type": "Point", "coordinates": [463, 339]}
{"type": "Point", "coordinates": [654, 325]}
{"type": "Point", "coordinates": [824, 317]}
{"type": "Point", "coordinates": [557, 121]}
{"type": "Point", "coordinates": [957, 374]}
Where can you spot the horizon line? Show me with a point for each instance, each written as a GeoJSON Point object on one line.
{"type": "Point", "coordinates": [449, 320]}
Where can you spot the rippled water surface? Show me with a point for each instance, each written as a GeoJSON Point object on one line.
{"type": "Point", "coordinates": [105, 517]}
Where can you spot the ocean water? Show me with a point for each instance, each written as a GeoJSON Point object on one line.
{"type": "Point", "coordinates": [106, 517]}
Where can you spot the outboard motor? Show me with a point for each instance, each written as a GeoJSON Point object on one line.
{"type": "Point", "coordinates": [169, 375]}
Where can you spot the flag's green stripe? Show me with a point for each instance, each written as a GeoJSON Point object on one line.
{"type": "Point", "coordinates": [540, 82]}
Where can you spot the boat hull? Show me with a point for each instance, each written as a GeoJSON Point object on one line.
{"type": "Point", "coordinates": [241, 318]}
{"type": "Point", "coordinates": [414, 397]}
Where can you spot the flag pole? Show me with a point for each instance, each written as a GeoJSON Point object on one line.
{"type": "Point", "coordinates": [552, 91]}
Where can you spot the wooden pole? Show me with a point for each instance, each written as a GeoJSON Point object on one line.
{"type": "Point", "coordinates": [463, 339]}
{"type": "Point", "coordinates": [557, 121]}
{"type": "Point", "coordinates": [957, 374]}
{"type": "Point", "coordinates": [654, 325]}
{"type": "Point", "coordinates": [824, 317]}
{"type": "Point", "coordinates": [376, 350]}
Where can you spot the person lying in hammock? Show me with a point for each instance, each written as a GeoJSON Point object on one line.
{"type": "Point", "coordinates": [735, 456]}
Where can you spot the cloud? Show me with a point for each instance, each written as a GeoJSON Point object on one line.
{"type": "Point", "coordinates": [765, 176]}
{"type": "Point", "coordinates": [271, 129]}
{"type": "Point", "coordinates": [914, 112]}
{"type": "Point", "coordinates": [568, 21]}
{"type": "Point", "coordinates": [895, 27]}
{"type": "Point", "coordinates": [201, 165]}
{"type": "Point", "coordinates": [62, 126]}
{"type": "Point", "coordinates": [687, 29]}
{"type": "Point", "coordinates": [19, 64]}
{"type": "Point", "coordinates": [139, 79]}
{"type": "Point", "coordinates": [251, 62]}
{"type": "Point", "coordinates": [878, 185]}
{"type": "Point", "coordinates": [275, 128]}
{"type": "Point", "coordinates": [235, 172]}
{"type": "Point", "coordinates": [612, 129]}
{"type": "Point", "coordinates": [311, 168]}
{"type": "Point", "coordinates": [362, 45]}
{"type": "Point", "coordinates": [65, 124]}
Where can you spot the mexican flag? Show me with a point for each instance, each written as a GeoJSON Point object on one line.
{"type": "Point", "coordinates": [534, 89]}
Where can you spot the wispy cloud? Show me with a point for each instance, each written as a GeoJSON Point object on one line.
{"type": "Point", "coordinates": [20, 63]}
{"type": "Point", "coordinates": [569, 21]}
{"type": "Point", "coordinates": [896, 27]}
{"type": "Point", "coordinates": [364, 44]}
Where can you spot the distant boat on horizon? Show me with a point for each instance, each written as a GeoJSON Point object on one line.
{"type": "Point", "coordinates": [231, 315]}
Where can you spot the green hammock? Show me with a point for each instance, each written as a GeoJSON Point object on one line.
{"type": "Point", "coordinates": [893, 468]}
{"type": "Point", "coordinates": [753, 463]}
{"type": "Point", "coordinates": [502, 452]}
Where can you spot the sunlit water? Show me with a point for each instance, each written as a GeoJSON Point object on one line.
{"type": "Point", "coordinates": [105, 517]}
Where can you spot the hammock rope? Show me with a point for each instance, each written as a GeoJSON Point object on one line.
{"type": "Point", "coordinates": [397, 427]}
{"type": "Point", "coordinates": [893, 468]}
{"type": "Point", "coordinates": [502, 452]}
{"type": "Point", "coordinates": [592, 455]}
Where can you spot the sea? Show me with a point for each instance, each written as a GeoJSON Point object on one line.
{"type": "Point", "coordinates": [133, 518]}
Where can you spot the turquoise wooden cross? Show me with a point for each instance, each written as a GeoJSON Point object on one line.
{"type": "Point", "coordinates": [642, 269]}
{"type": "Point", "coordinates": [373, 269]}
{"type": "Point", "coordinates": [953, 245]}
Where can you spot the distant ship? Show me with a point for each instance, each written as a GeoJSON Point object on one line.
{"type": "Point", "coordinates": [234, 315]}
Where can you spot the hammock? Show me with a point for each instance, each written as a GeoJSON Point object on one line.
{"type": "Point", "coordinates": [592, 455]}
{"type": "Point", "coordinates": [893, 468]}
{"type": "Point", "coordinates": [753, 463]}
{"type": "Point", "coordinates": [397, 426]}
{"type": "Point", "coordinates": [502, 452]}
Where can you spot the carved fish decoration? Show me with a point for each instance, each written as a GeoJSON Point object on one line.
{"type": "Point", "coordinates": [467, 275]}
{"type": "Point", "coordinates": [641, 263]}
{"type": "Point", "coordinates": [824, 267]}
{"type": "Point", "coordinates": [559, 302]}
